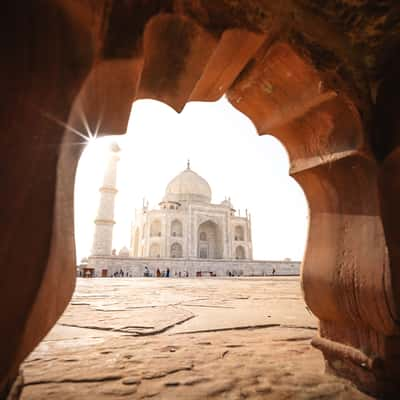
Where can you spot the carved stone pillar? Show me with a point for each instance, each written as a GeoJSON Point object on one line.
{"type": "Point", "coordinates": [347, 277]}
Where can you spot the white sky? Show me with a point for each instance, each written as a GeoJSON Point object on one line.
{"type": "Point", "coordinates": [223, 148]}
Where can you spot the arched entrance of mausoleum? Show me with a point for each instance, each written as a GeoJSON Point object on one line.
{"type": "Point", "coordinates": [209, 240]}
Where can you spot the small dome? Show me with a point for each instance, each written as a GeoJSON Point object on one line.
{"type": "Point", "coordinates": [124, 252]}
{"type": "Point", "coordinates": [226, 203]}
{"type": "Point", "coordinates": [188, 186]}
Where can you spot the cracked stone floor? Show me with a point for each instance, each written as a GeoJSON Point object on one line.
{"type": "Point", "coordinates": [160, 338]}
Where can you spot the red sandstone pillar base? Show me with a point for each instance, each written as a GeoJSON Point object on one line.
{"type": "Point", "coordinates": [374, 374]}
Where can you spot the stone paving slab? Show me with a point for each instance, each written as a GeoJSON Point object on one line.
{"type": "Point", "coordinates": [143, 338]}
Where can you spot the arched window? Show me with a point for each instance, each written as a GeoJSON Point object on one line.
{"type": "Point", "coordinates": [155, 228]}
{"type": "Point", "coordinates": [240, 253]}
{"type": "Point", "coordinates": [239, 233]}
{"type": "Point", "coordinates": [176, 228]}
{"type": "Point", "coordinates": [176, 250]}
{"type": "Point", "coordinates": [203, 236]}
{"type": "Point", "coordinates": [155, 250]}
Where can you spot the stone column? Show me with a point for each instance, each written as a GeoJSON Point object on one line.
{"type": "Point", "coordinates": [102, 242]}
{"type": "Point", "coordinates": [346, 161]}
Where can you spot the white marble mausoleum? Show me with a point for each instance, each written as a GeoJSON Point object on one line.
{"type": "Point", "coordinates": [187, 225]}
{"type": "Point", "coordinates": [187, 234]}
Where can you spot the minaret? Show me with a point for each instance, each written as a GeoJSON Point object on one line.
{"type": "Point", "coordinates": [102, 242]}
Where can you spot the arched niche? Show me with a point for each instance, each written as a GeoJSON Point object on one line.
{"type": "Point", "coordinates": [176, 228]}
{"type": "Point", "coordinates": [155, 251]}
{"type": "Point", "coordinates": [155, 228]}
{"type": "Point", "coordinates": [176, 250]}
{"type": "Point", "coordinates": [209, 244]}
{"type": "Point", "coordinates": [239, 233]}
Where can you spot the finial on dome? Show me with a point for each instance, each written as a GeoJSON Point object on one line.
{"type": "Point", "coordinates": [188, 164]}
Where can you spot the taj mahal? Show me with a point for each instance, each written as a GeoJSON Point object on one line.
{"type": "Point", "coordinates": [187, 234]}
{"type": "Point", "coordinates": [188, 225]}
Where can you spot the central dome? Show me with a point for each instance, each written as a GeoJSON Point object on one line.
{"type": "Point", "coordinates": [188, 186]}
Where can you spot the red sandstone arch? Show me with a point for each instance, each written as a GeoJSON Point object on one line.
{"type": "Point", "coordinates": [309, 76]}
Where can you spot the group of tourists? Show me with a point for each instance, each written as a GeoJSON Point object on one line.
{"type": "Point", "coordinates": [121, 274]}
{"type": "Point", "coordinates": [164, 273]}
{"type": "Point", "coordinates": [159, 273]}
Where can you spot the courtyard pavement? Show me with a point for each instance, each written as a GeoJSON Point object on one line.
{"type": "Point", "coordinates": [166, 338]}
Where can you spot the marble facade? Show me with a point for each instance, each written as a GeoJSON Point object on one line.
{"type": "Point", "coordinates": [187, 234]}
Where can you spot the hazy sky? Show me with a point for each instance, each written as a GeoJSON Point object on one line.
{"type": "Point", "coordinates": [223, 148]}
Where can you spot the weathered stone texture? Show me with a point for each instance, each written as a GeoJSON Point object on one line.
{"type": "Point", "coordinates": [195, 339]}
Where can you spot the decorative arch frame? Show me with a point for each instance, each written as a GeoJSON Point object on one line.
{"type": "Point", "coordinates": [338, 123]}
